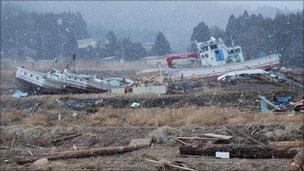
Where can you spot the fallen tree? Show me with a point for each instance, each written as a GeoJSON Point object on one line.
{"type": "Point", "coordinates": [84, 153]}
{"type": "Point", "coordinates": [239, 150]}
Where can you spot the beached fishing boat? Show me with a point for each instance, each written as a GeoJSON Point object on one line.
{"type": "Point", "coordinates": [216, 59]}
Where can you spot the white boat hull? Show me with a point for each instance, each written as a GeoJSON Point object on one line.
{"type": "Point", "coordinates": [36, 81]}
{"type": "Point", "coordinates": [214, 71]}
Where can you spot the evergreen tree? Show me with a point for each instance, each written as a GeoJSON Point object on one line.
{"type": "Point", "coordinates": [132, 51]}
{"type": "Point", "coordinates": [111, 46]}
{"type": "Point", "coordinates": [201, 33]}
{"type": "Point", "coordinates": [161, 45]}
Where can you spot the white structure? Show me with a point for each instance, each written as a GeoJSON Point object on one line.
{"type": "Point", "coordinates": [86, 43]}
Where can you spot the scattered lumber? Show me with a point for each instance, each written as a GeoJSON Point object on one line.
{"type": "Point", "coordinates": [298, 161]}
{"type": "Point", "coordinates": [177, 139]}
{"type": "Point", "coordinates": [84, 153]}
{"type": "Point", "coordinates": [166, 165]}
{"type": "Point", "coordinates": [224, 137]}
{"type": "Point", "coordinates": [238, 150]}
{"type": "Point", "coordinates": [250, 138]}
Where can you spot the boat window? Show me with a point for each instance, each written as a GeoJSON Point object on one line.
{"type": "Point", "coordinates": [238, 50]}
{"type": "Point", "coordinates": [24, 73]}
{"type": "Point", "coordinates": [37, 78]}
{"type": "Point", "coordinates": [230, 51]}
{"type": "Point", "coordinates": [213, 46]}
{"type": "Point", "coordinates": [69, 76]}
{"type": "Point", "coordinates": [75, 78]}
{"type": "Point", "coordinates": [31, 75]}
{"type": "Point", "coordinates": [205, 48]}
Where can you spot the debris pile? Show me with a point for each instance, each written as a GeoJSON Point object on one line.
{"type": "Point", "coordinates": [79, 104]}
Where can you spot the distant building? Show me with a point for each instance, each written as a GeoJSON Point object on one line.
{"type": "Point", "coordinates": [84, 43]}
{"type": "Point", "coordinates": [155, 61]}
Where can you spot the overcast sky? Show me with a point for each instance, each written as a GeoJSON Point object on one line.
{"type": "Point", "coordinates": [175, 18]}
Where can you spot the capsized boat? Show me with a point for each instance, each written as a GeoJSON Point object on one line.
{"type": "Point", "coordinates": [36, 82]}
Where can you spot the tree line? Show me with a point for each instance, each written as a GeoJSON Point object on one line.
{"type": "Point", "coordinates": [259, 35]}
{"type": "Point", "coordinates": [49, 35]}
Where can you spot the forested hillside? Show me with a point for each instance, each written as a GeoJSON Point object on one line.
{"type": "Point", "coordinates": [259, 35]}
{"type": "Point", "coordinates": [40, 35]}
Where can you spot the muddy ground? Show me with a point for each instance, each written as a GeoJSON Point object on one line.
{"type": "Point", "coordinates": [26, 130]}
{"type": "Point", "coordinates": [35, 125]}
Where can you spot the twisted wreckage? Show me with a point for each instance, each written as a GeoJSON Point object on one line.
{"type": "Point", "coordinates": [214, 59]}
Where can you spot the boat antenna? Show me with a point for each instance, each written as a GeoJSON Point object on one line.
{"type": "Point", "coordinates": [232, 44]}
{"type": "Point", "coordinates": [73, 59]}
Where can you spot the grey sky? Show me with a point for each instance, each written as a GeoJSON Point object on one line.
{"type": "Point", "coordinates": [175, 18]}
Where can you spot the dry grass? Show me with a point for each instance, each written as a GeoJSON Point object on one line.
{"type": "Point", "coordinates": [35, 120]}
{"type": "Point", "coordinates": [206, 116]}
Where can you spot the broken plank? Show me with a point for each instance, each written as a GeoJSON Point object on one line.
{"type": "Point", "coordinates": [224, 137]}
{"type": "Point", "coordinates": [196, 138]}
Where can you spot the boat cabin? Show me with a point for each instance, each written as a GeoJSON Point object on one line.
{"type": "Point", "coordinates": [215, 52]}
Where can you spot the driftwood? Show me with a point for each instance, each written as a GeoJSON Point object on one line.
{"type": "Point", "coordinates": [84, 153]}
{"type": "Point", "coordinates": [298, 161]}
{"type": "Point", "coordinates": [240, 150]}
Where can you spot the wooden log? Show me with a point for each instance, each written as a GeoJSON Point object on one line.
{"type": "Point", "coordinates": [291, 144]}
{"type": "Point", "coordinates": [238, 150]}
{"type": "Point", "coordinates": [298, 161]}
{"type": "Point", "coordinates": [84, 153]}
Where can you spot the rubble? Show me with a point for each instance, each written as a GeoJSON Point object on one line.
{"type": "Point", "coordinates": [18, 93]}
{"type": "Point", "coordinates": [79, 104]}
